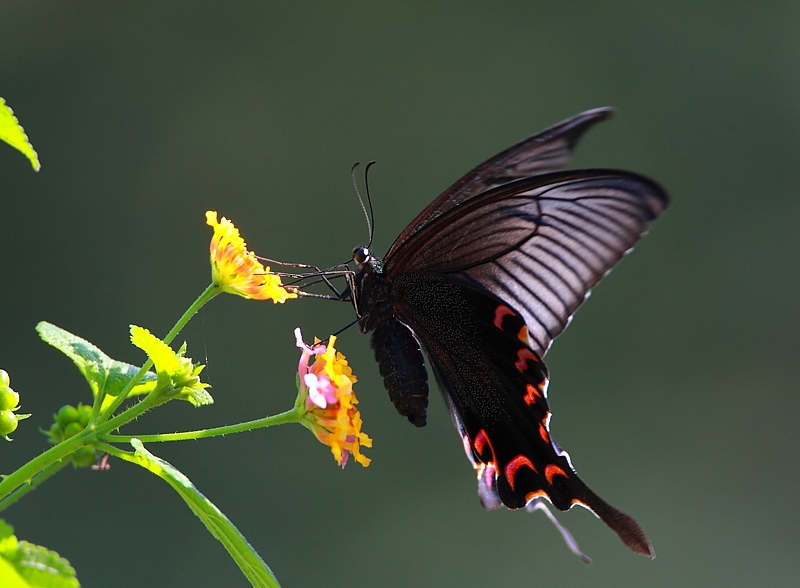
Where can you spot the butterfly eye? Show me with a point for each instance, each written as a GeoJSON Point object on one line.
{"type": "Point", "coordinates": [360, 254]}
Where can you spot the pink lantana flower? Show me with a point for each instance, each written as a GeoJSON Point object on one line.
{"type": "Point", "coordinates": [328, 401]}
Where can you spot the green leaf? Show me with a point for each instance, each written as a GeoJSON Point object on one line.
{"type": "Point", "coordinates": [178, 377]}
{"type": "Point", "coordinates": [251, 564]}
{"type": "Point", "coordinates": [12, 133]}
{"type": "Point", "coordinates": [106, 376]}
{"type": "Point", "coordinates": [6, 531]}
{"type": "Point", "coordinates": [164, 358]}
{"type": "Point", "coordinates": [9, 577]}
{"type": "Point", "coordinates": [25, 565]}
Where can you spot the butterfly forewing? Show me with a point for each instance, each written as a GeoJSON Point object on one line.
{"type": "Point", "coordinates": [544, 152]}
{"type": "Point", "coordinates": [541, 243]}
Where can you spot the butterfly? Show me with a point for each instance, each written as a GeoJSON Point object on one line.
{"type": "Point", "coordinates": [482, 281]}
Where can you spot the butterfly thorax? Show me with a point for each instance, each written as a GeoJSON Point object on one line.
{"type": "Point", "coordinates": [371, 301]}
{"type": "Point", "coordinates": [397, 350]}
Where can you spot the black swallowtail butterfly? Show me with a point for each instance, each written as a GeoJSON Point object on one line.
{"type": "Point", "coordinates": [482, 281]}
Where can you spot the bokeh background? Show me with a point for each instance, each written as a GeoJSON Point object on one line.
{"type": "Point", "coordinates": [675, 390]}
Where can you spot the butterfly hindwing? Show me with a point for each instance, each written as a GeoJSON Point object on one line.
{"type": "Point", "coordinates": [496, 389]}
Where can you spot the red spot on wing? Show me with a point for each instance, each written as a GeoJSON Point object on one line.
{"type": "Point", "coordinates": [544, 434]}
{"type": "Point", "coordinates": [480, 443]}
{"type": "Point", "coordinates": [532, 394]}
{"type": "Point", "coordinates": [513, 466]}
{"type": "Point", "coordinates": [551, 471]}
{"type": "Point", "coordinates": [523, 335]}
{"type": "Point", "coordinates": [500, 313]}
{"type": "Point", "coordinates": [523, 357]}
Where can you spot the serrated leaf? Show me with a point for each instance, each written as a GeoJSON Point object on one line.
{"type": "Point", "coordinates": [164, 358]}
{"type": "Point", "coordinates": [197, 397]}
{"type": "Point", "coordinates": [26, 565]}
{"type": "Point", "coordinates": [105, 375]}
{"type": "Point", "coordinates": [178, 377]}
{"type": "Point", "coordinates": [253, 567]}
{"type": "Point", "coordinates": [9, 577]}
{"type": "Point", "coordinates": [12, 133]}
{"type": "Point", "coordinates": [44, 568]}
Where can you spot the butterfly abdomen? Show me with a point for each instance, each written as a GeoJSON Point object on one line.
{"type": "Point", "coordinates": [397, 350]}
{"type": "Point", "coordinates": [403, 369]}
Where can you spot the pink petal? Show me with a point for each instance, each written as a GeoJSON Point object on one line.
{"type": "Point", "coordinates": [302, 366]}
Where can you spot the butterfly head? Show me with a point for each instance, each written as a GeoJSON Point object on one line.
{"type": "Point", "coordinates": [366, 261]}
{"type": "Point", "coordinates": [362, 255]}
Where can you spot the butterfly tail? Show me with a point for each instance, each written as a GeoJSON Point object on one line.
{"type": "Point", "coordinates": [621, 523]}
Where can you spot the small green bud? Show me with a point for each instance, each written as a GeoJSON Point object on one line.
{"type": "Point", "coordinates": [8, 423]}
{"type": "Point", "coordinates": [72, 429]}
{"type": "Point", "coordinates": [84, 414]}
{"type": "Point", "coordinates": [66, 414]}
{"type": "Point", "coordinates": [5, 380]}
{"type": "Point", "coordinates": [9, 399]}
{"type": "Point", "coordinates": [84, 457]}
{"type": "Point", "coordinates": [55, 434]}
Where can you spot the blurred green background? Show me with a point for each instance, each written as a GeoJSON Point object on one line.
{"type": "Point", "coordinates": [675, 390]}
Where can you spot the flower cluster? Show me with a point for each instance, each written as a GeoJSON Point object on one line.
{"type": "Point", "coordinates": [236, 270]}
{"type": "Point", "coordinates": [68, 422]}
{"type": "Point", "coordinates": [328, 402]}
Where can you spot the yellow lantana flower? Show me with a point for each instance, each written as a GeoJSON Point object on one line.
{"type": "Point", "coordinates": [327, 398]}
{"type": "Point", "coordinates": [236, 270]}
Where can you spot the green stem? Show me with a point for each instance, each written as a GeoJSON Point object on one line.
{"type": "Point", "coordinates": [133, 412]}
{"type": "Point", "coordinates": [290, 416]}
{"type": "Point", "coordinates": [57, 453]}
{"type": "Point", "coordinates": [125, 391]}
{"type": "Point", "coordinates": [21, 491]}
{"type": "Point", "coordinates": [209, 293]}
{"type": "Point", "coordinates": [115, 451]}
{"type": "Point", "coordinates": [26, 473]}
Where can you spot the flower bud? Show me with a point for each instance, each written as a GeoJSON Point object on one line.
{"type": "Point", "coordinates": [84, 414]}
{"type": "Point", "coordinates": [66, 414]}
{"type": "Point", "coordinates": [8, 422]}
{"type": "Point", "coordinates": [84, 457]}
{"type": "Point", "coordinates": [9, 398]}
{"type": "Point", "coordinates": [72, 429]}
{"type": "Point", "coordinates": [55, 434]}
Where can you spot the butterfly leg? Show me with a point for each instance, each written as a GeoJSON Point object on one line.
{"type": "Point", "coordinates": [317, 276]}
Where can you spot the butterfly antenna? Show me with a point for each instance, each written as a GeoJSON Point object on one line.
{"type": "Point", "coordinates": [361, 200]}
{"type": "Point", "coordinates": [371, 220]}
